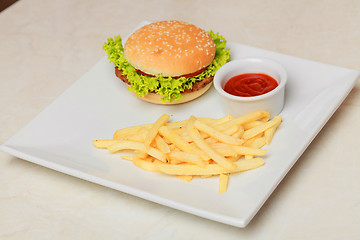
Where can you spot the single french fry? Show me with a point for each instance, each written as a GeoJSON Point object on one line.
{"type": "Point", "coordinates": [222, 120]}
{"type": "Point", "coordinates": [125, 144]}
{"type": "Point", "coordinates": [141, 154]}
{"type": "Point", "coordinates": [209, 169]}
{"type": "Point", "coordinates": [199, 141]}
{"type": "Point", "coordinates": [132, 145]}
{"type": "Point", "coordinates": [146, 165]}
{"type": "Point", "coordinates": [186, 178]}
{"type": "Point", "coordinates": [124, 132]}
{"type": "Point", "coordinates": [223, 182]}
{"type": "Point", "coordinates": [155, 128]}
{"type": "Point", "coordinates": [249, 151]}
{"type": "Point", "coordinates": [104, 143]}
{"type": "Point", "coordinates": [269, 133]}
{"type": "Point", "coordinates": [206, 176]}
{"type": "Point", "coordinates": [186, 157]}
{"type": "Point", "coordinates": [261, 128]}
{"type": "Point", "coordinates": [207, 120]}
{"type": "Point", "coordinates": [249, 125]}
{"type": "Point", "coordinates": [244, 119]}
{"type": "Point", "coordinates": [129, 158]}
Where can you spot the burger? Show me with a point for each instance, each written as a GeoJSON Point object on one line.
{"type": "Point", "coordinates": [168, 62]}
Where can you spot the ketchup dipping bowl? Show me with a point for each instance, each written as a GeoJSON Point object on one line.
{"type": "Point", "coordinates": [272, 101]}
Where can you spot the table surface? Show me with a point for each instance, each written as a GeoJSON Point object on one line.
{"type": "Point", "coordinates": [47, 45]}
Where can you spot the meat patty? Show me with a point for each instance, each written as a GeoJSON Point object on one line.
{"type": "Point", "coordinates": [196, 85]}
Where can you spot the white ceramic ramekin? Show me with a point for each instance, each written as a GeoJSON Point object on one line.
{"type": "Point", "coordinates": [273, 101]}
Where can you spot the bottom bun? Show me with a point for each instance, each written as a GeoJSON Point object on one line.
{"type": "Point", "coordinates": [187, 97]}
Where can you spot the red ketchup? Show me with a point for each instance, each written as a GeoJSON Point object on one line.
{"type": "Point", "coordinates": [250, 84]}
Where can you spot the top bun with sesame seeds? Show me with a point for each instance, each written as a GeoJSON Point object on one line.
{"type": "Point", "coordinates": [168, 62]}
{"type": "Point", "coordinates": [170, 48]}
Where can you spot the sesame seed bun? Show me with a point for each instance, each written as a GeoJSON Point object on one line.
{"type": "Point", "coordinates": [172, 48]}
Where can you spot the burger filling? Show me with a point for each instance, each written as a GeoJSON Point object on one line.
{"type": "Point", "coordinates": [185, 75]}
{"type": "Point", "coordinates": [170, 88]}
{"type": "Point", "coordinates": [195, 87]}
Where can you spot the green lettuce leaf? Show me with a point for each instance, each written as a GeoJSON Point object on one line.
{"type": "Point", "coordinates": [167, 87]}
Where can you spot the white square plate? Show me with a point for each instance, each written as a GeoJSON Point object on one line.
{"type": "Point", "coordinates": [98, 103]}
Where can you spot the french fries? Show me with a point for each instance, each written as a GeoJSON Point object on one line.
{"type": "Point", "coordinates": [199, 141]}
{"type": "Point", "coordinates": [201, 147]}
{"type": "Point", "coordinates": [180, 142]}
